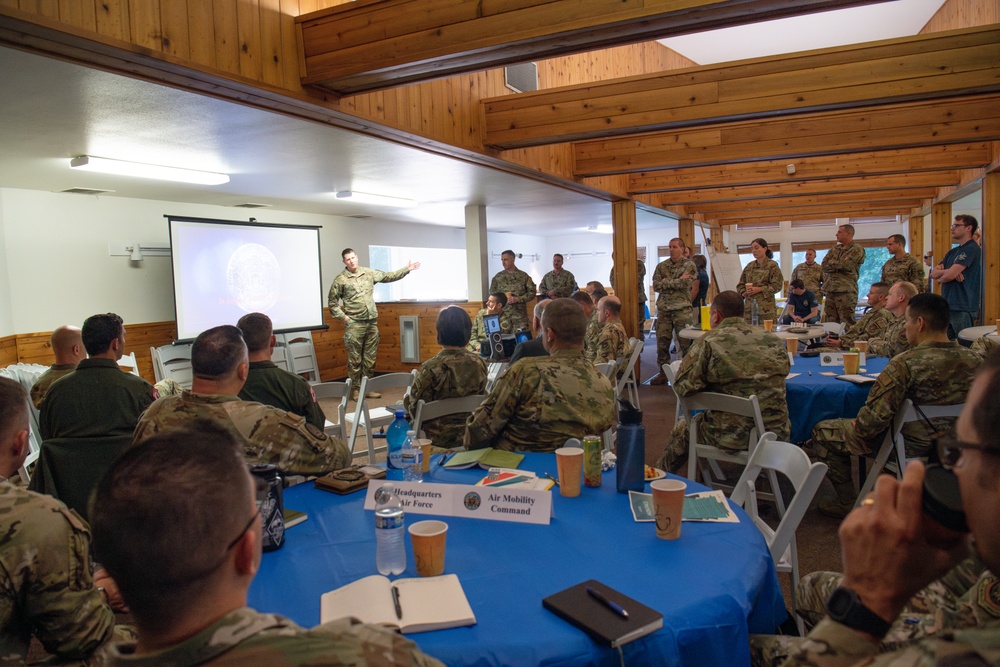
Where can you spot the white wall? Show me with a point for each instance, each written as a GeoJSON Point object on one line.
{"type": "Point", "coordinates": [6, 319]}
{"type": "Point", "coordinates": [587, 255]}
{"type": "Point", "coordinates": [535, 258]}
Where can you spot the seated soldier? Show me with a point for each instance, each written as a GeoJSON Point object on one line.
{"type": "Point", "coordinates": [494, 306]}
{"type": "Point", "coordinates": [612, 342]}
{"type": "Point", "coordinates": [871, 325]}
{"type": "Point", "coordinates": [452, 373]}
{"type": "Point", "coordinates": [737, 359]}
{"type": "Point", "coordinates": [802, 306]}
{"type": "Point", "coordinates": [67, 348]}
{"type": "Point", "coordinates": [893, 339]}
{"type": "Point", "coordinates": [536, 346]}
{"type": "Point", "coordinates": [934, 371]}
{"type": "Point", "coordinates": [220, 365]}
{"type": "Point", "coordinates": [270, 385]}
{"type": "Point", "coordinates": [593, 332]}
{"type": "Point", "coordinates": [542, 401]}
{"type": "Point", "coordinates": [189, 596]}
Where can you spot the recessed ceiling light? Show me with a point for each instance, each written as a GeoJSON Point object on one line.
{"type": "Point", "coordinates": [159, 172]}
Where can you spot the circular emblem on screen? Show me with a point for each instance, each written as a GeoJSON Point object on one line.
{"type": "Point", "coordinates": [472, 501]}
{"type": "Point", "coordinates": [254, 277]}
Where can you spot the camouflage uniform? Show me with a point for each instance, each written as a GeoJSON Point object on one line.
{"type": "Point", "coordinates": [892, 341]}
{"type": "Point", "coordinates": [515, 283]}
{"type": "Point", "coordinates": [45, 380]}
{"type": "Point", "coordinates": [479, 329]}
{"type": "Point", "coordinates": [811, 276]}
{"type": "Point", "coordinates": [562, 283]}
{"type": "Point", "coordinates": [872, 324]}
{"type": "Point", "coordinates": [738, 360]}
{"type": "Point", "coordinates": [673, 305]}
{"type": "Point", "coordinates": [908, 268]}
{"type": "Point", "coordinates": [246, 637]}
{"type": "Point", "coordinates": [931, 373]}
{"type": "Point", "coordinates": [95, 400]}
{"type": "Point", "coordinates": [962, 599]}
{"type": "Point", "coordinates": [540, 402]}
{"type": "Point", "coordinates": [269, 435]}
{"type": "Point", "coordinates": [612, 343]}
{"type": "Point", "coordinates": [46, 588]}
{"type": "Point", "coordinates": [768, 277]}
{"type": "Point", "coordinates": [591, 336]}
{"type": "Point", "coordinates": [841, 268]}
{"type": "Point", "coordinates": [451, 373]}
{"type": "Point", "coordinates": [356, 291]}
{"type": "Point", "coordinates": [985, 345]}
{"type": "Point", "coordinates": [641, 275]}
{"type": "Point", "coordinates": [270, 385]}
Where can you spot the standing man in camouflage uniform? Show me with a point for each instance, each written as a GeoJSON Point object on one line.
{"type": "Point", "coordinates": [270, 385]}
{"type": "Point", "coordinates": [613, 341]}
{"type": "Point", "coordinates": [872, 324]}
{"type": "Point", "coordinates": [892, 552]}
{"type": "Point", "coordinates": [220, 364]}
{"type": "Point", "coordinates": [557, 283]}
{"type": "Point", "coordinates": [640, 271]}
{"type": "Point", "coordinates": [354, 287]}
{"type": "Point", "coordinates": [519, 288]}
{"type": "Point", "coordinates": [451, 373]}
{"type": "Point", "coordinates": [893, 339]}
{"type": "Point", "coordinates": [810, 273]}
{"type": "Point", "coordinates": [841, 268]}
{"type": "Point", "coordinates": [542, 401]}
{"type": "Point", "coordinates": [67, 347]}
{"type": "Point", "coordinates": [494, 306]}
{"type": "Point", "coordinates": [935, 371]}
{"type": "Point", "coordinates": [672, 278]}
{"type": "Point", "coordinates": [902, 265]}
{"type": "Point", "coordinates": [189, 596]}
{"type": "Point", "coordinates": [735, 359]}
{"type": "Point", "coordinates": [46, 587]}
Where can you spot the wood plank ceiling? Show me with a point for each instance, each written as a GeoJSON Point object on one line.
{"type": "Point", "coordinates": [870, 130]}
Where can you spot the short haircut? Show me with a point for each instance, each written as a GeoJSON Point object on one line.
{"type": "Point", "coordinates": [907, 288]}
{"type": "Point", "coordinates": [582, 298]}
{"type": "Point", "coordinates": [679, 240]}
{"type": "Point", "coordinates": [453, 327]}
{"type": "Point", "coordinates": [933, 308]}
{"type": "Point", "coordinates": [612, 303]}
{"type": "Point", "coordinates": [559, 255]}
{"type": "Point", "coordinates": [728, 304]}
{"type": "Point", "coordinates": [99, 331]}
{"type": "Point", "coordinates": [596, 283]}
{"type": "Point", "coordinates": [63, 339]}
{"type": "Point", "coordinates": [163, 514]}
{"type": "Point", "coordinates": [499, 296]}
{"type": "Point", "coordinates": [985, 416]}
{"type": "Point", "coordinates": [968, 221]}
{"type": "Point", "coordinates": [345, 252]}
{"type": "Point", "coordinates": [13, 407]}
{"type": "Point", "coordinates": [847, 228]}
{"type": "Point", "coordinates": [217, 352]}
{"type": "Point", "coordinates": [508, 252]}
{"type": "Point", "coordinates": [599, 294]}
{"type": "Point", "coordinates": [812, 250]}
{"type": "Point", "coordinates": [899, 238]}
{"type": "Point", "coordinates": [881, 288]}
{"type": "Point", "coordinates": [700, 261]}
{"type": "Point", "coordinates": [797, 284]}
{"type": "Point", "coordinates": [257, 330]}
{"type": "Point", "coordinates": [566, 319]}
{"type": "Point", "coordinates": [539, 308]}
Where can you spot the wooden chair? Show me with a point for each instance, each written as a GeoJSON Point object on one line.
{"type": "Point", "coordinates": [773, 456]}
{"type": "Point", "coordinates": [336, 390]}
{"type": "Point", "coordinates": [429, 410]}
{"type": "Point", "coordinates": [893, 441]}
{"type": "Point", "coordinates": [371, 418]}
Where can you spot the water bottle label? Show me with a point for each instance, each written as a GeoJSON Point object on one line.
{"type": "Point", "coordinates": [395, 460]}
{"type": "Point", "coordinates": [389, 522]}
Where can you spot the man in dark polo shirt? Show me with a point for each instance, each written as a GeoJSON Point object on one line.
{"type": "Point", "coordinates": [98, 399]}
{"type": "Point", "coordinates": [270, 385]}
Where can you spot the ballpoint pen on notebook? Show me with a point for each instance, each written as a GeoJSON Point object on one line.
{"type": "Point", "coordinates": [613, 606]}
{"type": "Point", "coordinates": [395, 603]}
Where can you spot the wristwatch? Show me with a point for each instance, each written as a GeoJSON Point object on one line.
{"type": "Point", "coordinates": [845, 607]}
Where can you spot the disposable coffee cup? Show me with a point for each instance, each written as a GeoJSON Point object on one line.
{"type": "Point", "coordinates": [425, 446]}
{"type": "Point", "coordinates": [768, 325]}
{"type": "Point", "coordinates": [862, 346]}
{"type": "Point", "coordinates": [998, 326]}
{"type": "Point", "coordinates": [569, 464]}
{"type": "Point", "coordinates": [852, 362]}
{"type": "Point", "coordinates": [792, 344]}
{"type": "Point", "coordinates": [668, 502]}
{"type": "Point", "coordinates": [428, 538]}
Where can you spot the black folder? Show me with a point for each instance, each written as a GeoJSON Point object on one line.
{"type": "Point", "coordinates": [598, 620]}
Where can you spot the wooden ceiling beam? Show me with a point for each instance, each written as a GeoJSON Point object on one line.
{"type": "Point", "coordinates": [370, 45]}
{"type": "Point", "coordinates": [888, 197]}
{"type": "Point", "coordinates": [912, 68]}
{"type": "Point", "coordinates": [829, 214]}
{"type": "Point", "coordinates": [960, 120]}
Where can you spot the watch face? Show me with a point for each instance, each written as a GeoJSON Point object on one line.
{"type": "Point", "coordinates": [840, 602]}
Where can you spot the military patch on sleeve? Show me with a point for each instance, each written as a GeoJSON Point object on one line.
{"type": "Point", "coordinates": [989, 597]}
{"type": "Point", "coordinates": [315, 432]}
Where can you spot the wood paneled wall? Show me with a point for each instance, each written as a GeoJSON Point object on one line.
{"type": "Point", "coordinates": [963, 14]}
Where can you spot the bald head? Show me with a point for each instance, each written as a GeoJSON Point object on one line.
{"type": "Point", "coordinates": [67, 345]}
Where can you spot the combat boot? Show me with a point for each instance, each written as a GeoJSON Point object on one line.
{"type": "Point", "coordinates": [659, 379]}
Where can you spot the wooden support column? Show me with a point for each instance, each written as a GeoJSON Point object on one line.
{"type": "Point", "coordinates": [626, 283]}
{"type": "Point", "coordinates": [916, 240]}
{"type": "Point", "coordinates": [991, 247]}
{"type": "Point", "coordinates": [940, 235]}
{"type": "Point", "coordinates": [685, 230]}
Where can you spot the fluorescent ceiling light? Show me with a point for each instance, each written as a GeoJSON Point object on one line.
{"type": "Point", "coordinates": [600, 229]}
{"type": "Point", "coordinates": [378, 200]}
{"type": "Point", "coordinates": [124, 168]}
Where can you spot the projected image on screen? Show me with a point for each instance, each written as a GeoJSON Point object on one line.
{"type": "Point", "coordinates": [225, 270]}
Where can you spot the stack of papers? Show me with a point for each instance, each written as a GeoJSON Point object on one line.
{"type": "Point", "coordinates": [710, 506]}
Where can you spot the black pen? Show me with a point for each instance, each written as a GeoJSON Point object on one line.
{"type": "Point", "coordinates": [444, 457]}
{"type": "Point", "coordinates": [395, 602]}
{"type": "Point", "coordinates": [617, 608]}
{"type": "Point", "coordinates": [549, 475]}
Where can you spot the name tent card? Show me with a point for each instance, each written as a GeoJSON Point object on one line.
{"type": "Point", "coordinates": [831, 359]}
{"type": "Point", "coordinates": [467, 500]}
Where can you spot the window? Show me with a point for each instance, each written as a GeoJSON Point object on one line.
{"type": "Point", "coordinates": [871, 270]}
{"type": "Point", "coordinates": [434, 281]}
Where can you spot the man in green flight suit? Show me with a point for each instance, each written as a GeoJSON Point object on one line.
{"type": "Point", "coordinates": [354, 288]}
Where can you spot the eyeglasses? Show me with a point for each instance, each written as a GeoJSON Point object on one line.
{"type": "Point", "coordinates": [949, 449]}
{"type": "Point", "coordinates": [959, 224]}
{"type": "Point", "coordinates": [243, 532]}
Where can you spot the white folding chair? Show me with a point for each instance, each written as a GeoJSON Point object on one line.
{"type": "Point", "coordinates": [128, 364]}
{"type": "Point", "coordinates": [893, 440]}
{"type": "Point", "coordinates": [371, 418]}
{"type": "Point", "coordinates": [429, 410]}
{"type": "Point", "coordinates": [173, 362]}
{"type": "Point", "coordinates": [301, 354]}
{"type": "Point", "coordinates": [26, 375]}
{"type": "Point", "coordinates": [606, 368]}
{"type": "Point", "coordinates": [627, 385]}
{"type": "Point", "coordinates": [279, 356]}
{"type": "Point", "coordinates": [833, 327]}
{"type": "Point", "coordinates": [774, 456]}
{"type": "Point", "coordinates": [337, 390]}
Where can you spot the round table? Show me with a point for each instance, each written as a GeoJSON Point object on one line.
{"type": "Point", "coordinates": [815, 331]}
{"type": "Point", "coordinates": [972, 333]}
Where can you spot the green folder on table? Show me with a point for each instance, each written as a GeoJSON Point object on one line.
{"type": "Point", "coordinates": [485, 458]}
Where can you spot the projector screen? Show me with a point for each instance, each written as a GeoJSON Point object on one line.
{"type": "Point", "coordinates": [224, 270]}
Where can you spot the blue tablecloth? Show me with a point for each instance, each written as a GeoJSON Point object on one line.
{"type": "Point", "coordinates": [813, 398]}
{"type": "Point", "coordinates": [713, 585]}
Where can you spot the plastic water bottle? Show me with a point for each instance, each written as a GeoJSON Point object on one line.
{"type": "Point", "coordinates": [754, 315]}
{"type": "Point", "coordinates": [413, 459]}
{"type": "Point", "coordinates": [394, 437]}
{"type": "Point", "coordinates": [630, 469]}
{"type": "Point", "coordinates": [390, 553]}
